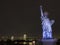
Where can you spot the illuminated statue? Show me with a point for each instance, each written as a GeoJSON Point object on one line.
{"type": "Point", "coordinates": [46, 24]}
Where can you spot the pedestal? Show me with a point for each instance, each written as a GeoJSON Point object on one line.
{"type": "Point", "coordinates": [49, 41]}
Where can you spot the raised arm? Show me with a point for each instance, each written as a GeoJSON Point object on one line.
{"type": "Point", "coordinates": [41, 10]}
{"type": "Point", "coordinates": [42, 15]}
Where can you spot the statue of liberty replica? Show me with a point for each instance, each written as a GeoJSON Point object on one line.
{"type": "Point", "coordinates": [46, 25]}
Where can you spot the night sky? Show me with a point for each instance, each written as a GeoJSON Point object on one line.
{"type": "Point", "coordinates": [19, 17]}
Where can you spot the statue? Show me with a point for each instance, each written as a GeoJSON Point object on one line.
{"type": "Point", "coordinates": [46, 24]}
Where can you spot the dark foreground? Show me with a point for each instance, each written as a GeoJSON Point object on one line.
{"type": "Point", "coordinates": [23, 42]}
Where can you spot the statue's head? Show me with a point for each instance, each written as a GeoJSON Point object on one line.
{"type": "Point", "coordinates": [46, 13]}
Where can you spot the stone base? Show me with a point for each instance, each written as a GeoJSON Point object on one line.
{"type": "Point", "coordinates": [49, 41]}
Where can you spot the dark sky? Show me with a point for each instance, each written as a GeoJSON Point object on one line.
{"type": "Point", "coordinates": [19, 17]}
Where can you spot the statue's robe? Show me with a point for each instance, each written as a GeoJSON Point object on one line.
{"type": "Point", "coordinates": [46, 26]}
